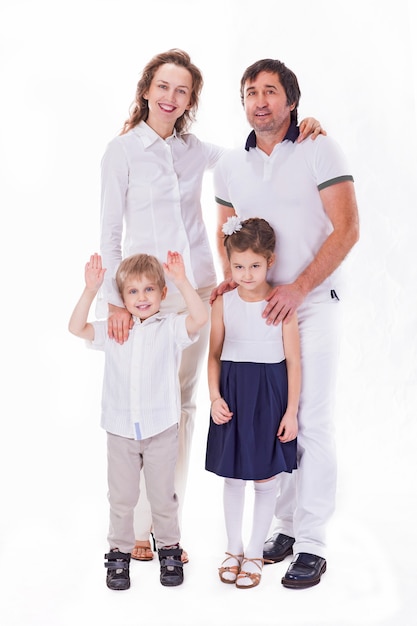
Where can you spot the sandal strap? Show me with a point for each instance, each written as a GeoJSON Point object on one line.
{"type": "Point", "coordinates": [237, 557]}
{"type": "Point", "coordinates": [254, 561]}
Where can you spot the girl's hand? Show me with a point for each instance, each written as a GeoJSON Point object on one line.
{"type": "Point", "coordinates": [288, 428]}
{"type": "Point", "coordinates": [94, 273]}
{"type": "Point", "coordinates": [220, 412]}
{"type": "Point", "coordinates": [174, 268]}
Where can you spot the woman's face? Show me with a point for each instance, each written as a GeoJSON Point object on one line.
{"type": "Point", "coordinates": [168, 96]}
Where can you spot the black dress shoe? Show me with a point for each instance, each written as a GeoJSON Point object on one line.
{"type": "Point", "coordinates": [277, 547]}
{"type": "Point", "coordinates": [305, 571]}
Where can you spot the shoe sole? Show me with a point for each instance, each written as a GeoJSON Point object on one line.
{"type": "Point", "coordinates": [122, 588]}
{"type": "Point", "coordinates": [277, 559]}
{"type": "Point", "coordinates": [171, 584]}
{"type": "Point", "coordinates": [296, 584]}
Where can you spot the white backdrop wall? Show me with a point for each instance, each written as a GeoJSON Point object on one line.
{"type": "Point", "coordinates": [68, 75]}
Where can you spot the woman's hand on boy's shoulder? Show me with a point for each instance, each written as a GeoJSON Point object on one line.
{"type": "Point", "coordinates": [119, 323]}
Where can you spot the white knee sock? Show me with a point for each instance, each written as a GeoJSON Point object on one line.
{"type": "Point", "coordinates": [234, 502]}
{"type": "Point", "coordinates": [263, 511]}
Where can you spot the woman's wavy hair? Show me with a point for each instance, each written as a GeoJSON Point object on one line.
{"type": "Point", "coordinates": [139, 109]}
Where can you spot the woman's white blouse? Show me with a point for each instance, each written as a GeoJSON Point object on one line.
{"type": "Point", "coordinates": [150, 203]}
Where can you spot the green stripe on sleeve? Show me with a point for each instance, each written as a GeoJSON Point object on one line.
{"type": "Point", "coordinates": [334, 181]}
{"type": "Point", "coordinates": [223, 202]}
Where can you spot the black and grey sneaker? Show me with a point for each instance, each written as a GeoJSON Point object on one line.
{"type": "Point", "coordinates": [117, 570]}
{"type": "Point", "coordinates": [172, 573]}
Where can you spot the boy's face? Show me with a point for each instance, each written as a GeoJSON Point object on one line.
{"type": "Point", "coordinates": [142, 296]}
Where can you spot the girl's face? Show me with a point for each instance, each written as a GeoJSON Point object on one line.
{"type": "Point", "coordinates": [249, 269]}
{"type": "Point", "coordinates": [142, 296]}
{"type": "Point", "coordinates": [168, 97]}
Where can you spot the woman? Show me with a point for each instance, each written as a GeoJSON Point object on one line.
{"type": "Point", "coordinates": [152, 176]}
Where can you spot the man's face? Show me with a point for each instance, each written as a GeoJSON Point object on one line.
{"type": "Point", "coordinates": [265, 103]}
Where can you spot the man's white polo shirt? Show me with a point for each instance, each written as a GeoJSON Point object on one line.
{"type": "Point", "coordinates": [284, 189]}
{"type": "Point", "coordinates": [141, 390]}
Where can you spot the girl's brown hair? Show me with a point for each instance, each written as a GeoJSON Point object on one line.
{"type": "Point", "coordinates": [256, 234]}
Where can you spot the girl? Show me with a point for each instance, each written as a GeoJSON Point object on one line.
{"type": "Point", "coordinates": [150, 196]}
{"type": "Point", "coordinates": [254, 377]}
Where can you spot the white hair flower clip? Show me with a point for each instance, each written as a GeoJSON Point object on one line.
{"type": "Point", "coordinates": [232, 225]}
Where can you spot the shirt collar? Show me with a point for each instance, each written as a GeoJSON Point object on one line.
{"type": "Point", "coordinates": [157, 317]}
{"type": "Point", "coordinates": [292, 134]}
{"type": "Point", "coordinates": [149, 136]}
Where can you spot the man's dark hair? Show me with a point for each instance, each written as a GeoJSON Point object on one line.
{"type": "Point", "coordinates": [286, 77]}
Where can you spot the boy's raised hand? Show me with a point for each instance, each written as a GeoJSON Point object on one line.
{"type": "Point", "coordinates": [94, 273]}
{"type": "Point", "coordinates": [174, 267]}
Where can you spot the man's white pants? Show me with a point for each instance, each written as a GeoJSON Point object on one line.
{"type": "Point", "coordinates": [306, 498]}
{"type": "Point", "coordinates": [191, 364]}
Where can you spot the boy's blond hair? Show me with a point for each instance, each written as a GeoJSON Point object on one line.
{"type": "Point", "coordinates": [139, 265]}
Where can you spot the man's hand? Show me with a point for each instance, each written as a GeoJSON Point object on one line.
{"type": "Point", "coordinates": [283, 301]}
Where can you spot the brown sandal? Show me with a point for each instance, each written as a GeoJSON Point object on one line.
{"type": "Point", "coordinates": [142, 551]}
{"type": "Point", "coordinates": [253, 576]}
{"type": "Point", "coordinates": [231, 569]}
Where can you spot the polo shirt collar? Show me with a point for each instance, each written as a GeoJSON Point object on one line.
{"type": "Point", "coordinates": [292, 134]}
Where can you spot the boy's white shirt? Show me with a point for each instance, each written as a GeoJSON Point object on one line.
{"type": "Point", "coordinates": [141, 390]}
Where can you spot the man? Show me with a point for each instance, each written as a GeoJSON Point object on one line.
{"type": "Point", "coordinates": [306, 192]}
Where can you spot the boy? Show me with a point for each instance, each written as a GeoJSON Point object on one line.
{"type": "Point", "coordinates": [141, 402]}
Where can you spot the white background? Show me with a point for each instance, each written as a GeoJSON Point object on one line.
{"type": "Point", "coordinates": [68, 75]}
